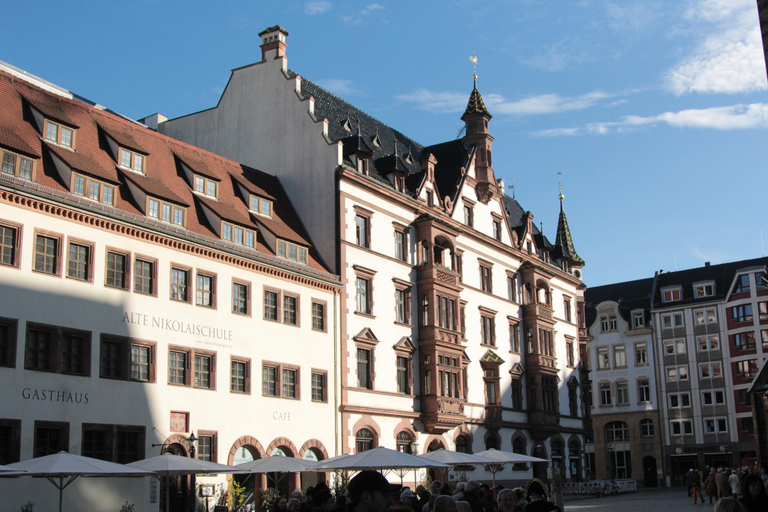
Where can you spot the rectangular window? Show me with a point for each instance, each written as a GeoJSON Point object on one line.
{"type": "Point", "coordinates": [681, 427]}
{"type": "Point", "coordinates": [179, 283]}
{"type": "Point", "coordinates": [362, 227]}
{"type": "Point", "coordinates": [641, 354]}
{"type": "Point", "coordinates": [603, 361]}
{"type": "Point", "coordinates": [747, 368]}
{"type": "Point", "coordinates": [318, 316]}
{"type": "Point", "coordinates": [78, 186]}
{"type": "Point", "coordinates": [265, 207]}
{"type": "Point", "coordinates": [403, 375]}
{"type": "Point", "coordinates": [52, 131]}
{"type": "Point", "coordinates": [239, 376]}
{"type": "Point", "coordinates": [716, 397]}
{"type": "Point", "coordinates": [672, 320]}
{"type": "Point", "coordinates": [468, 216]}
{"type": "Point", "coordinates": [679, 400]}
{"type": "Point", "coordinates": [707, 343]}
{"type": "Point", "coordinates": [177, 368]}
{"type": "Point", "coordinates": [512, 288]}
{"type": "Point", "coordinates": [487, 330]}
{"type": "Point", "coordinates": [318, 387]}
{"type": "Point", "coordinates": [619, 356]}
{"type": "Point", "coordinates": [703, 290]}
{"type": "Point", "coordinates": [240, 298]}
{"type": "Point", "coordinates": [57, 349]}
{"type": "Point", "coordinates": [705, 316]}
{"type": "Point", "coordinates": [79, 262]}
{"type": "Point", "coordinates": [141, 363]}
{"type": "Point", "coordinates": [206, 447]}
{"type": "Point", "coordinates": [710, 370]}
{"type": "Point", "coordinates": [153, 210]}
{"type": "Point", "coordinates": [117, 267]}
{"type": "Point", "coordinates": [47, 254]}
{"type": "Point", "coordinates": [742, 313]}
{"type": "Point", "coordinates": [144, 277]}
{"type": "Point", "coordinates": [606, 399]}
{"type": "Point", "coordinates": [569, 361]}
{"type": "Point", "coordinates": [269, 380]}
{"type": "Point", "coordinates": [114, 443]}
{"type": "Point", "coordinates": [638, 320]}
{"type": "Point", "coordinates": [8, 329]}
{"type": "Point", "coordinates": [166, 208]}
{"type": "Point", "coordinates": [567, 309]}
{"type": "Point", "coordinates": [677, 373]}
{"type": "Point", "coordinates": [9, 238]}
{"type": "Point", "coordinates": [270, 305]}
{"type": "Point", "coordinates": [290, 310]}
{"type": "Point", "coordinates": [205, 291]}
{"type": "Point", "coordinates": [401, 247]}
{"type": "Point", "coordinates": [204, 371]}
{"type": "Point", "coordinates": [281, 381]}
{"type": "Point", "coordinates": [10, 441]}
{"type": "Point", "coordinates": [486, 278]}
{"type": "Point", "coordinates": [50, 437]}
{"type": "Point", "coordinates": [643, 390]}
{"type": "Point", "coordinates": [744, 340]}
{"type": "Point", "coordinates": [672, 347]}
{"type": "Point", "coordinates": [762, 310]}
{"type": "Point", "coordinates": [178, 216]}
{"type": "Point", "coordinates": [715, 425]}
{"type": "Point", "coordinates": [671, 295]}
{"type": "Point", "coordinates": [362, 295]}
{"type": "Point", "coordinates": [514, 338]}
{"type": "Point", "coordinates": [497, 230]}
{"type": "Point", "coordinates": [622, 393]}
{"type": "Point", "coordinates": [364, 369]}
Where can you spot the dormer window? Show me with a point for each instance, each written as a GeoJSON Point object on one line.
{"type": "Point", "coordinates": [17, 165]}
{"type": "Point", "coordinates": [261, 205]}
{"type": "Point", "coordinates": [206, 186]}
{"type": "Point", "coordinates": [59, 134]}
{"type": "Point", "coordinates": [671, 295]}
{"type": "Point", "coordinates": [165, 212]}
{"type": "Point", "coordinates": [291, 251]}
{"type": "Point", "coordinates": [237, 234]}
{"type": "Point", "coordinates": [701, 290]}
{"type": "Point", "coordinates": [131, 160]}
{"type": "Point", "coordinates": [93, 189]}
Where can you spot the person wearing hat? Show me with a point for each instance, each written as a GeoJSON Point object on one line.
{"type": "Point", "coordinates": [409, 499]}
{"type": "Point", "coordinates": [369, 491]}
{"type": "Point", "coordinates": [472, 496]}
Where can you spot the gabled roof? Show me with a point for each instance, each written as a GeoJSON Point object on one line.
{"type": "Point", "coordinates": [630, 295]}
{"type": "Point", "coordinates": [164, 179]}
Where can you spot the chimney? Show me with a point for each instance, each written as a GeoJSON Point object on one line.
{"type": "Point", "coordinates": [706, 263]}
{"type": "Point", "coordinates": [273, 43]}
{"type": "Point", "coordinates": [153, 120]}
{"type": "Point", "coordinates": [500, 184]}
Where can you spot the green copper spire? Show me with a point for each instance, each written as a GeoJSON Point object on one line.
{"type": "Point", "coordinates": [476, 104]}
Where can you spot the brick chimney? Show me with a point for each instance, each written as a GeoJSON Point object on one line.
{"type": "Point", "coordinates": [273, 43]}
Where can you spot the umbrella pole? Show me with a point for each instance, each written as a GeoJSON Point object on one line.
{"type": "Point", "coordinates": [61, 493]}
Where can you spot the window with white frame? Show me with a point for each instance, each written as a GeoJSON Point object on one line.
{"type": "Point", "coordinates": [712, 370]}
{"type": "Point", "coordinates": [671, 295]}
{"type": "Point", "coordinates": [677, 373]}
{"type": "Point", "coordinates": [60, 134]}
{"type": "Point", "coordinates": [742, 284]}
{"type": "Point", "coordinates": [679, 400]}
{"type": "Point", "coordinates": [643, 390]}
{"type": "Point", "coordinates": [638, 320]}
{"type": "Point", "coordinates": [92, 189]}
{"type": "Point", "coordinates": [671, 320]}
{"type": "Point", "coordinates": [672, 347]}
{"type": "Point", "coordinates": [238, 234]}
{"type": "Point", "coordinates": [681, 427]}
{"type": "Point", "coordinates": [707, 343]}
{"type": "Point", "coordinates": [619, 356]}
{"type": "Point", "coordinates": [713, 397]}
{"type": "Point", "coordinates": [705, 316]}
{"type": "Point", "coordinates": [622, 392]}
{"type": "Point", "coordinates": [641, 354]}
{"type": "Point", "coordinates": [131, 160]}
{"type": "Point", "coordinates": [701, 290]}
{"type": "Point", "coordinates": [715, 425]}
{"type": "Point", "coordinates": [603, 358]}
{"type": "Point", "coordinates": [17, 165]}
{"type": "Point", "coordinates": [606, 398]}
{"type": "Point", "coordinates": [165, 212]}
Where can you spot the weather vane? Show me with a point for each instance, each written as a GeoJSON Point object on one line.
{"type": "Point", "coordinates": [473, 58]}
{"type": "Point", "coordinates": [560, 180]}
{"type": "Point", "coordinates": [512, 187]}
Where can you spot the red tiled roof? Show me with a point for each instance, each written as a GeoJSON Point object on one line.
{"type": "Point", "coordinates": [164, 178]}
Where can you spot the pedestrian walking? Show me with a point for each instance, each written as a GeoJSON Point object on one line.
{"type": "Point", "coordinates": [735, 484]}
{"type": "Point", "coordinates": [696, 486]}
{"type": "Point", "coordinates": [687, 479]}
{"type": "Point", "coordinates": [723, 487]}
{"type": "Point", "coordinates": [711, 486]}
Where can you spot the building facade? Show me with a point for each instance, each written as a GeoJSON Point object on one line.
{"type": "Point", "coordinates": [151, 290]}
{"type": "Point", "coordinates": [460, 320]}
{"type": "Point", "coordinates": [625, 407]}
{"type": "Point", "coordinates": [710, 338]}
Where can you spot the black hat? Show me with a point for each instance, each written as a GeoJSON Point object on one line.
{"type": "Point", "coordinates": [367, 481]}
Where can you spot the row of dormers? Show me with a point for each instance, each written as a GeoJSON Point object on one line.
{"type": "Point", "coordinates": [69, 159]}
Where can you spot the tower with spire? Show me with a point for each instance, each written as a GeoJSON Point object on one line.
{"type": "Point", "coordinates": [564, 249]}
{"type": "Point", "coordinates": [477, 136]}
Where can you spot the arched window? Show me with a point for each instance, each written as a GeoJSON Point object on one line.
{"type": "Point", "coordinates": [462, 444]}
{"type": "Point", "coordinates": [616, 431]}
{"type": "Point", "coordinates": [493, 441]}
{"type": "Point", "coordinates": [646, 428]}
{"type": "Point", "coordinates": [403, 442]}
{"type": "Point", "coordinates": [518, 446]}
{"type": "Point", "coordinates": [557, 457]}
{"type": "Point", "coordinates": [435, 445]}
{"type": "Point", "coordinates": [364, 440]}
{"type": "Point", "coordinates": [542, 293]}
{"type": "Point", "coordinates": [574, 459]}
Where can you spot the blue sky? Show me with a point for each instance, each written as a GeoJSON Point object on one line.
{"type": "Point", "coordinates": [655, 112]}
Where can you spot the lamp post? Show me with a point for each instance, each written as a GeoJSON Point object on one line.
{"type": "Point", "coordinates": [191, 440]}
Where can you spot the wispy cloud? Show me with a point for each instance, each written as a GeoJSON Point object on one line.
{"type": "Point", "coordinates": [735, 117]}
{"type": "Point", "coordinates": [339, 86]}
{"type": "Point", "coordinates": [630, 16]}
{"type": "Point", "coordinates": [557, 56]}
{"type": "Point", "coordinates": [450, 102]}
{"type": "Point", "coordinates": [319, 7]}
{"type": "Point", "coordinates": [729, 59]}
{"type": "Point", "coordinates": [364, 15]}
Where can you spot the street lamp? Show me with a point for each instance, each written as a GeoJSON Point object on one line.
{"type": "Point", "coordinates": [191, 440]}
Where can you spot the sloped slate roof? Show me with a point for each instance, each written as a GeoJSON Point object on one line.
{"type": "Point", "coordinates": [722, 275]}
{"type": "Point", "coordinates": [631, 295]}
{"type": "Point", "coordinates": [92, 156]}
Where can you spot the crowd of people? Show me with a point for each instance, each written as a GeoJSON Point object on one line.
{"type": "Point", "coordinates": [734, 489]}
{"type": "Point", "coordinates": [369, 491]}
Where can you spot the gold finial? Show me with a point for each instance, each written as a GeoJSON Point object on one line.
{"type": "Point", "coordinates": [560, 179]}
{"type": "Point", "coordinates": [473, 58]}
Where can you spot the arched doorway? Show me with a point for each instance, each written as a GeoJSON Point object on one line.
{"type": "Point", "coordinates": [248, 480]}
{"type": "Point", "coordinates": [540, 468]}
{"type": "Point", "coordinates": [281, 481]}
{"type": "Point", "coordinates": [178, 490]}
{"type": "Point", "coordinates": [649, 471]}
{"type": "Point", "coordinates": [437, 474]}
{"type": "Point", "coordinates": [311, 479]}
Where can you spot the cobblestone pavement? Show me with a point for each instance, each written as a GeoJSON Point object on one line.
{"type": "Point", "coordinates": [674, 499]}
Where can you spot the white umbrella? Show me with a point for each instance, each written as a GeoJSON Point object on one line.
{"type": "Point", "coordinates": [168, 466]}
{"type": "Point", "coordinates": [278, 464]}
{"type": "Point", "coordinates": [456, 458]}
{"type": "Point", "coordinates": [6, 469]}
{"type": "Point", "coordinates": [63, 468]}
{"type": "Point", "coordinates": [379, 458]}
{"type": "Point", "coordinates": [502, 458]}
